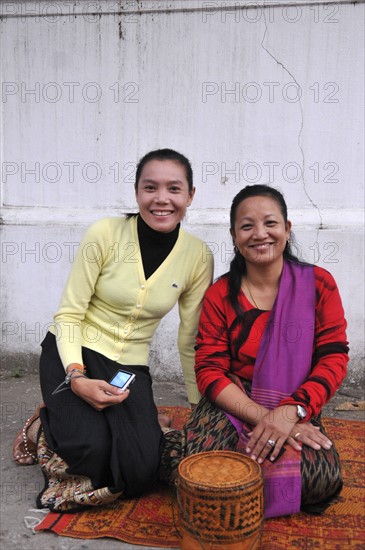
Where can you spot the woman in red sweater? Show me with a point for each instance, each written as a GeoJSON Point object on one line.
{"type": "Point", "coordinates": [271, 351]}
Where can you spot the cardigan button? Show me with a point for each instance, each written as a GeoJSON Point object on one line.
{"type": "Point", "coordinates": [138, 306]}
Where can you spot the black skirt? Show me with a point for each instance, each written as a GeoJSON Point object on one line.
{"type": "Point", "coordinates": [119, 447]}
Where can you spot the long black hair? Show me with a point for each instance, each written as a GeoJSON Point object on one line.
{"type": "Point", "coordinates": [238, 265]}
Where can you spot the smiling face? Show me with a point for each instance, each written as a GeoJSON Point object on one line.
{"type": "Point", "coordinates": [260, 232]}
{"type": "Point", "coordinates": [163, 194]}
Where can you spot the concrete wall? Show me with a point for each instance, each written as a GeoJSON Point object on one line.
{"type": "Point", "coordinates": [251, 94]}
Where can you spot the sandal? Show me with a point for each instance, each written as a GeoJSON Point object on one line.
{"type": "Point", "coordinates": [24, 449]}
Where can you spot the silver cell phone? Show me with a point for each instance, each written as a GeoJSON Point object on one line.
{"type": "Point", "coordinates": [122, 379]}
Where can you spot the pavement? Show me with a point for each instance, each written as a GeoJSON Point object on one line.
{"type": "Point", "coordinates": [21, 484]}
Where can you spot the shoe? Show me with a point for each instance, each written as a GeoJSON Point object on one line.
{"type": "Point", "coordinates": [25, 450]}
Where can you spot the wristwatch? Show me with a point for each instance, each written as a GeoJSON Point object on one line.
{"type": "Point", "coordinates": [301, 412]}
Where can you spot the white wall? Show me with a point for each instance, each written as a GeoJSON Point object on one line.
{"type": "Point", "coordinates": [249, 94]}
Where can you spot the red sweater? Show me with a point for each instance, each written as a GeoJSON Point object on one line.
{"type": "Point", "coordinates": [227, 343]}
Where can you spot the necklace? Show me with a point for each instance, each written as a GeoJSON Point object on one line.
{"type": "Point", "coordinates": [249, 290]}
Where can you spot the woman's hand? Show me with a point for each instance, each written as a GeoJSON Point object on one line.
{"type": "Point", "coordinates": [98, 393]}
{"type": "Point", "coordinates": [272, 432]}
{"type": "Point", "coordinates": [310, 435]}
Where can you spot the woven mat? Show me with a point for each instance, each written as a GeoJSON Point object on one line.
{"type": "Point", "coordinates": [151, 519]}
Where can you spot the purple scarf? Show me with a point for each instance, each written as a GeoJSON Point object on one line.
{"type": "Point", "coordinates": [283, 363]}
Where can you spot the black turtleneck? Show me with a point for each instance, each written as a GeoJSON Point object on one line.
{"type": "Point", "coordinates": [155, 246]}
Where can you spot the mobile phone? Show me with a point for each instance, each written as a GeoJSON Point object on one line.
{"type": "Point", "coordinates": [122, 379]}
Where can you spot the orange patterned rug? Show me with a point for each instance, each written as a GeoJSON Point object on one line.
{"type": "Point", "coordinates": [151, 520]}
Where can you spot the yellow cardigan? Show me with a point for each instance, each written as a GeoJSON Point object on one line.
{"type": "Point", "coordinates": [108, 305]}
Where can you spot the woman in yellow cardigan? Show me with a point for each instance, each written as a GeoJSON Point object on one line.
{"type": "Point", "coordinates": [98, 442]}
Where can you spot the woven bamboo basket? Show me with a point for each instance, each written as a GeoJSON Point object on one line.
{"type": "Point", "coordinates": [220, 498]}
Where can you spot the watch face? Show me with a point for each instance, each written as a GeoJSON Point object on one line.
{"type": "Point", "coordinates": [301, 411]}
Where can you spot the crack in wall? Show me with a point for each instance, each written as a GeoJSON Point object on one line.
{"type": "Point", "coordinates": [320, 225]}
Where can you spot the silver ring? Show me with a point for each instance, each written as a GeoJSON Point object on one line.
{"type": "Point", "coordinates": [271, 442]}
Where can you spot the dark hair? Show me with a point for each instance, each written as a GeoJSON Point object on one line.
{"type": "Point", "coordinates": [165, 154]}
{"type": "Point", "coordinates": [238, 264]}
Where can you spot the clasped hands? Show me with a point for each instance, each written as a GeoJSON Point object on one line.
{"type": "Point", "coordinates": [280, 426]}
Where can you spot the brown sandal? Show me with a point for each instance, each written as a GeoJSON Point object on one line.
{"type": "Point", "coordinates": [23, 447]}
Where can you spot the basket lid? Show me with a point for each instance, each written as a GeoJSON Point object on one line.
{"type": "Point", "coordinates": [219, 468]}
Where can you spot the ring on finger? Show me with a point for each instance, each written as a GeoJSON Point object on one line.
{"type": "Point", "coordinates": [271, 442]}
{"type": "Point", "coordinates": [297, 435]}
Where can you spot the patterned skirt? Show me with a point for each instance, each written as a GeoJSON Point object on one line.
{"type": "Point", "coordinates": [209, 429]}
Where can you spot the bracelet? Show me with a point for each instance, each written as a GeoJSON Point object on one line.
{"type": "Point", "coordinates": [69, 375]}
{"type": "Point", "coordinates": [81, 368]}
{"type": "Point", "coordinates": [67, 380]}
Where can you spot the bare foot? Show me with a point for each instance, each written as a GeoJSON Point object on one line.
{"type": "Point", "coordinates": [164, 420]}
